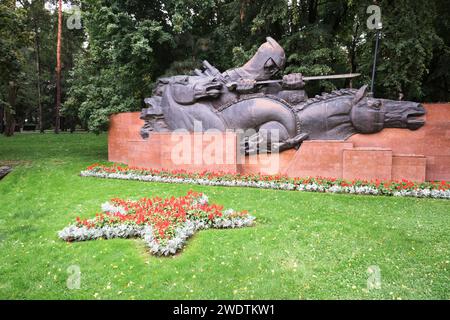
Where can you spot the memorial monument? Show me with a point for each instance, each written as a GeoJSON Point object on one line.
{"type": "Point", "coordinates": [343, 134]}
{"type": "Point", "coordinates": [245, 99]}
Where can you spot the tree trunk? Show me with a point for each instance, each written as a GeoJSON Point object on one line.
{"type": "Point", "coordinates": [352, 53]}
{"type": "Point", "coordinates": [37, 43]}
{"type": "Point", "coordinates": [2, 118]}
{"type": "Point", "coordinates": [312, 10]}
{"type": "Point", "coordinates": [10, 123]}
{"type": "Point", "coordinates": [58, 69]}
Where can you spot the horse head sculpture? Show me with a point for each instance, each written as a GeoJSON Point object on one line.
{"type": "Point", "coordinates": [342, 113]}
{"type": "Point", "coordinates": [371, 115]}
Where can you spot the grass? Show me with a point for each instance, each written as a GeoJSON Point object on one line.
{"type": "Point", "coordinates": [305, 245]}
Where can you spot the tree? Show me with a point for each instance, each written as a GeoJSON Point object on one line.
{"type": "Point", "coordinates": [36, 90]}
{"type": "Point", "coordinates": [116, 71]}
{"type": "Point", "coordinates": [436, 85]}
{"type": "Point", "coordinates": [132, 43]}
{"type": "Point", "coordinates": [58, 70]}
{"type": "Point", "coordinates": [13, 41]}
{"type": "Point", "coordinates": [407, 32]}
{"type": "Point", "coordinates": [37, 44]}
{"type": "Point", "coordinates": [37, 16]}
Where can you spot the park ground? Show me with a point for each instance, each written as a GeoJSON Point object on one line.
{"type": "Point", "coordinates": [304, 245]}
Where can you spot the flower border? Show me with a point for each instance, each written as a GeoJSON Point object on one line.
{"type": "Point", "coordinates": [88, 229]}
{"type": "Point", "coordinates": [404, 188]}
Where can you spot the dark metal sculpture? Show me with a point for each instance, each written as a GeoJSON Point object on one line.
{"type": "Point", "coordinates": [242, 99]}
{"type": "Point", "coordinates": [342, 113]}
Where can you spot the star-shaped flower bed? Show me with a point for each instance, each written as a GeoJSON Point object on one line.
{"type": "Point", "coordinates": [164, 224]}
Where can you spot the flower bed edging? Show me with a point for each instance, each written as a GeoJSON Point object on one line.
{"type": "Point", "coordinates": [438, 190]}
{"type": "Point", "coordinates": [164, 224]}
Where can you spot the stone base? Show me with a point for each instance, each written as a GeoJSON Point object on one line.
{"type": "Point", "coordinates": [267, 164]}
{"type": "Point", "coordinates": [432, 141]}
{"type": "Point", "coordinates": [394, 154]}
{"type": "Point", "coordinates": [367, 164]}
{"type": "Point", "coordinates": [193, 152]}
{"type": "Point", "coordinates": [123, 128]}
{"type": "Point", "coordinates": [318, 158]}
{"type": "Point", "coordinates": [409, 165]}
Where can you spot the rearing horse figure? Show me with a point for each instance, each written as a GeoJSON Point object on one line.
{"type": "Point", "coordinates": [232, 101]}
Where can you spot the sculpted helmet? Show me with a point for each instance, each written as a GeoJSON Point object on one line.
{"type": "Point", "coordinates": [268, 60]}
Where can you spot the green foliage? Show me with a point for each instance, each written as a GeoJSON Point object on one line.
{"type": "Point", "coordinates": [13, 38]}
{"type": "Point", "coordinates": [28, 34]}
{"type": "Point", "coordinates": [241, 56]}
{"type": "Point", "coordinates": [407, 45]}
{"type": "Point", "coordinates": [117, 69]}
{"type": "Point", "coordinates": [129, 44]}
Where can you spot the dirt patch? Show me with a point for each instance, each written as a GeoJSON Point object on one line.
{"type": "Point", "coordinates": [15, 163]}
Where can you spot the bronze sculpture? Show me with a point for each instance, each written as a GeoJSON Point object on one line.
{"type": "Point", "coordinates": [242, 99]}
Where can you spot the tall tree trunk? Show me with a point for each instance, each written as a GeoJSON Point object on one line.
{"type": "Point", "coordinates": [352, 54]}
{"type": "Point", "coordinates": [10, 123]}
{"type": "Point", "coordinates": [2, 118]}
{"type": "Point", "coordinates": [312, 10]}
{"type": "Point", "coordinates": [37, 43]}
{"type": "Point", "coordinates": [58, 69]}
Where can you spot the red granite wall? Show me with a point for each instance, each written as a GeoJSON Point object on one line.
{"type": "Point", "coordinates": [418, 155]}
{"type": "Point", "coordinates": [123, 127]}
{"type": "Point", "coordinates": [194, 152]}
{"type": "Point", "coordinates": [431, 141]}
{"type": "Point", "coordinates": [318, 158]}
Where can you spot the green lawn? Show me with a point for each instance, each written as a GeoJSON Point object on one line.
{"type": "Point", "coordinates": [304, 246]}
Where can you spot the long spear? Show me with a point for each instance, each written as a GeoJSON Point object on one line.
{"type": "Point", "coordinates": [313, 78]}
{"type": "Point", "coordinates": [326, 77]}
{"type": "Point", "coordinates": [375, 58]}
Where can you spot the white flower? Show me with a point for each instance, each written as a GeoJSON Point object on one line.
{"type": "Point", "coordinates": [108, 207]}
{"type": "Point", "coordinates": [312, 187]}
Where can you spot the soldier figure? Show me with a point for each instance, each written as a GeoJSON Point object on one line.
{"type": "Point", "coordinates": [198, 97]}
